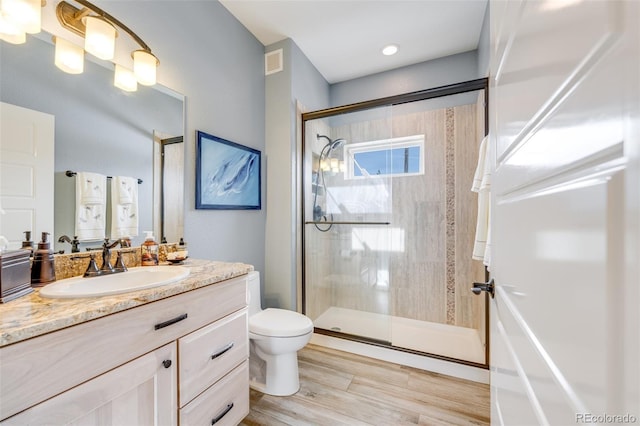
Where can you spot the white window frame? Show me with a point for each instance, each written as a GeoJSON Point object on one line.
{"type": "Point", "coordinates": [380, 145]}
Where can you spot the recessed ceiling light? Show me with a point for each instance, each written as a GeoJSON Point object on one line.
{"type": "Point", "coordinates": [389, 50]}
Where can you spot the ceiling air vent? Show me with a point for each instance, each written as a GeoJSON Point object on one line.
{"type": "Point", "coordinates": [273, 62]}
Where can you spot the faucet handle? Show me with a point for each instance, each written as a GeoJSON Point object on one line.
{"type": "Point", "coordinates": [119, 266]}
{"type": "Point", "coordinates": [92, 269]}
{"type": "Point", "coordinates": [74, 244]}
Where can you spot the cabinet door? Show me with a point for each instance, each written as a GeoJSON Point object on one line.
{"type": "Point", "coordinates": [140, 392]}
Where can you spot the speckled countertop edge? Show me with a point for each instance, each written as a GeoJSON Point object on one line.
{"type": "Point", "coordinates": [30, 316]}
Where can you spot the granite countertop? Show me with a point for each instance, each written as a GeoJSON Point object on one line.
{"type": "Point", "coordinates": [30, 316]}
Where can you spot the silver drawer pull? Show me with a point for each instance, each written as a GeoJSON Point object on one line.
{"type": "Point", "coordinates": [222, 351]}
{"type": "Point", "coordinates": [224, 413]}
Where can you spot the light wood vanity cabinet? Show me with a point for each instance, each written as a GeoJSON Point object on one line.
{"type": "Point", "coordinates": [144, 366]}
{"type": "Point", "coordinates": [140, 392]}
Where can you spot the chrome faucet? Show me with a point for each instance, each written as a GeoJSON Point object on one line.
{"type": "Point", "coordinates": [74, 243]}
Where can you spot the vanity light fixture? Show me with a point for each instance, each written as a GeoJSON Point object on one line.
{"type": "Point", "coordinates": [99, 29]}
{"type": "Point", "coordinates": [100, 38]}
{"type": "Point", "coordinates": [125, 79]}
{"type": "Point", "coordinates": [144, 67]}
{"type": "Point", "coordinates": [19, 17]}
{"type": "Point", "coordinates": [389, 50]}
{"type": "Point", "coordinates": [25, 14]}
{"type": "Point", "coordinates": [10, 32]}
{"type": "Point", "coordinates": [68, 57]}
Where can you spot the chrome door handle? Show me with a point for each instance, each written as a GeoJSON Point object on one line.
{"type": "Point", "coordinates": [489, 287]}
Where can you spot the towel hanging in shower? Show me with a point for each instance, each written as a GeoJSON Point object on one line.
{"type": "Point", "coordinates": [482, 185]}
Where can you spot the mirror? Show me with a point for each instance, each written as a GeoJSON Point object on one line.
{"type": "Point", "coordinates": [98, 128]}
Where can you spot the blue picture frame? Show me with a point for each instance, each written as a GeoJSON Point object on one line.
{"type": "Point", "coordinates": [228, 175]}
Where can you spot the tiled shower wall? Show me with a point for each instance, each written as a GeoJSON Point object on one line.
{"type": "Point", "coordinates": [431, 278]}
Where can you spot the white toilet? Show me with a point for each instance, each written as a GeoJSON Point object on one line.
{"type": "Point", "coordinates": [276, 336]}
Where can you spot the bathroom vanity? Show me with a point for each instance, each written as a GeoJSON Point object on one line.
{"type": "Point", "coordinates": [166, 355]}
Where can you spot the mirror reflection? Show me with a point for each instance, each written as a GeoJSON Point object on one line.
{"type": "Point", "coordinates": [101, 129]}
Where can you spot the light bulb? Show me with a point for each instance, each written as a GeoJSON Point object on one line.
{"type": "Point", "coordinates": [100, 38]}
{"type": "Point", "coordinates": [144, 67]}
{"type": "Point", "coordinates": [26, 14]}
{"type": "Point", "coordinates": [10, 31]}
{"type": "Point", "coordinates": [389, 50]}
{"type": "Point", "coordinates": [69, 57]}
{"type": "Point", "coordinates": [125, 79]}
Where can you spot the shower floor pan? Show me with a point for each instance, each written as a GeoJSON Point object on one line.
{"type": "Point", "coordinates": [429, 337]}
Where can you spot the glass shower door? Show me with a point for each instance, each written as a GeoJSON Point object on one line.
{"type": "Point", "coordinates": [389, 221]}
{"type": "Point", "coordinates": [347, 228]}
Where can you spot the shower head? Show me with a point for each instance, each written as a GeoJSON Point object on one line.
{"type": "Point", "coordinates": [337, 144]}
{"type": "Point", "coordinates": [332, 144]}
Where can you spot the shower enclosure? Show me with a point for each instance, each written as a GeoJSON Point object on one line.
{"type": "Point", "coordinates": [389, 222]}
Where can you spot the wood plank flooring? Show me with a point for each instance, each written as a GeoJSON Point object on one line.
{"type": "Point", "coordinates": [339, 388]}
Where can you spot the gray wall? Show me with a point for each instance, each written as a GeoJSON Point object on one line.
{"type": "Point", "coordinates": [484, 47]}
{"type": "Point", "coordinates": [208, 56]}
{"type": "Point", "coordinates": [299, 81]}
{"type": "Point", "coordinates": [276, 277]}
{"type": "Point", "coordinates": [98, 127]}
{"type": "Point", "coordinates": [425, 75]}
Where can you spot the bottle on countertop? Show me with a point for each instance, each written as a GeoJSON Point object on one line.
{"type": "Point", "coordinates": [149, 250]}
{"type": "Point", "coordinates": [27, 244]}
{"type": "Point", "coordinates": [43, 269]}
{"type": "Point", "coordinates": [182, 252]}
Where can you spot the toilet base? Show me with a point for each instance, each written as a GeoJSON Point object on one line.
{"type": "Point", "coordinates": [262, 388]}
{"type": "Point", "coordinates": [281, 373]}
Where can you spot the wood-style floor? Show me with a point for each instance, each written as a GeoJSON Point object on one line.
{"type": "Point", "coordinates": [339, 388]}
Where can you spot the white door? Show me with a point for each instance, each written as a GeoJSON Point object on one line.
{"type": "Point", "coordinates": [26, 173]}
{"type": "Point", "coordinates": [565, 133]}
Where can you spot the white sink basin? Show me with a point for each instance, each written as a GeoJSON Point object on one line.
{"type": "Point", "coordinates": [132, 280]}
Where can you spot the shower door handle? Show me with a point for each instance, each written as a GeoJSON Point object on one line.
{"type": "Point", "coordinates": [489, 287]}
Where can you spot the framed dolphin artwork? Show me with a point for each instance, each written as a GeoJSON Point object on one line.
{"type": "Point", "coordinates": [227, 174]}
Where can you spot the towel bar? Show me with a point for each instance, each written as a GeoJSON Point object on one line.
{"type": "Point", "coordinates": [72, 173]}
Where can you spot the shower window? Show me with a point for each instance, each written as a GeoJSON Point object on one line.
{"type": "Point", "coordinates": [393, 157]}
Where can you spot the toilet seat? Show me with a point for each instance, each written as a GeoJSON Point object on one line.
{"type": "Point", "coordinates": [279, 323]}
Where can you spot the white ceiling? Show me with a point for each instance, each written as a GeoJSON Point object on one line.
{"type": "Point", "coordinates": [344, 38]}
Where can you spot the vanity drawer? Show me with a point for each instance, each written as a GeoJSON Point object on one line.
{"type": "Point", "coordinates": [226, 402]}
{"type": "Point", "coordinates": [211, 352]}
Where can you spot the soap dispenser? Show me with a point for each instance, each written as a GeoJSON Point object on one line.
{"type": "Point", "coordinates": [43, 269]}
{"type": "Point", "coordinates": [27, 244]}
{"type": "Point", "coordinates": [149, 250]}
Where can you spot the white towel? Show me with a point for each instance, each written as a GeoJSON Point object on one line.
{"type": "Point", "coordinates": [124, 207]}
{"type": "Point", "coordinates": [482, 185]}
{"type": "Point", "coordinates": [91, 202]}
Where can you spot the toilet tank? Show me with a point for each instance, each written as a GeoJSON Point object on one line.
{"type": "Point", "coordinates": [255, 305]}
